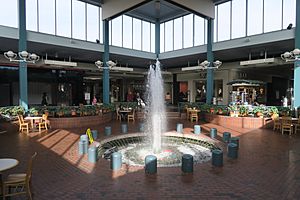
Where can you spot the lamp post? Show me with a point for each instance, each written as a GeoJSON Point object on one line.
{"type": "Point", "coordinates": [294, 56]}
{"type": "Point", "coordinates": [23, 55]}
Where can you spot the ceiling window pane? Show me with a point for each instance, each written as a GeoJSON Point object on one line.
{"type": "Point", "coordinates": [146, 36]}
{"type": "Point", "coordinates": [92, 23]}
{"type": "Point", "coordinates": [127, 32]}
{"type": "Point", "coordinates": [272, 15]}
{"type": "Point", "coordinates": [215, 23]}
{"type": "Point", "coordinates": [78, 20]}
{"type": "Point", "coordinates": [47, 16]}
{"type": "Point", "coordinates": [31, 15]}
{"type": "Point", "coordinates": [238, 18]}
{"type": "Point", "coordinates": [117, 31]}
{"type": "Point", "coordinates": [152, 38]}
{"type": "Point", "coordinates": [178, 33]}
{"type": "Point", "coordinates": [188, 31]}
{"type": "Point", "coordinates": [101, 26]}
{"type": "Point", "coordinates": [205, 31]}
{"type": "Point", "coordinates": [9, 8]}
{"type": "Point", "coordinates": [289, 13]}
{"type": "Point", "coordinates": [169, 36]}
{"type": "Point", "coordinates": [110, 32]}
{"type": "Point", "coordinates": [199, 31]}
{"type": "Point", "coordinates": [63, 18]}
{"type": "Point", "coordinates": [137, 34]}
{"type": "Point", "coordinates": [255, 17]}
{"type": "Point", "coordinates": [224, 21]}
{"type": "Point", "coordinates": [162, 37]}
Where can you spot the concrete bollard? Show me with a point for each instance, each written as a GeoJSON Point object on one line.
{"type": "Point", "coordinates": [197, 129]}
{"type": "Point", "coordinates": [92, 154]}
{"type": "Point", "coordinates": [150, 164]}
{"type": "Point", "coordinates": [82, 147]}
{"type": "Point", "coordinates": [232, 150]}
{"type": "Point", "coordinates": [235, 140]}
{"type": "Point", "coordinates": [179, 128]}
{"type": "Point", "coordinates": [226, 136]}
{"type": "Point", "coordinates": [124, 128]}
{"type": "Point", "coordinates": [217, 158]}
{"type": "Point", "coordinates": [141, 127]}
{"type": "Point", "coordinates": [213, 132]}
{"type": "Point", "coordinates": [187, 165]}
{"type": "Point", "coordinates": [94, 134]}
{"type": "Point", "coordinates": [107, 130]}
{"type": "Point", "coordinates": [116, 161]}
{"type": "Point", "coordinates": [84, 138]}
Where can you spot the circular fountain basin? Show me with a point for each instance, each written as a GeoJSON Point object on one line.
{"type": "Point", "coordinates": [135, 147]}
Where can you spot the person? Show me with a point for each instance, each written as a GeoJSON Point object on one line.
{"type": "Point", "coordinates": [94, 102]}
{"type": "Point", "coordinates": [168, 98]}
{"type": "Point", "coordinates": [44, 99]}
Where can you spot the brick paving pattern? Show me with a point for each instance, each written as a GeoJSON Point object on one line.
{"type": "Point", "coordinates": [268, 167]}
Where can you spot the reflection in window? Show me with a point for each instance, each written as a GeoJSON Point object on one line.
{"type": "Point", "coordinates": [47, 16]}
{"type": "Point", "coordinates": [127, 32]}
{"type": "Point", "coordinates": [238, 18]}
{"type": "Point", "coordinates": [152, 38]}
{"type": "Point", "coordinates": [110, 32]}
{"type": "Point", "coordinates": [188, 31]}
{"type": "Point", "coordinates": [146, 36]}
{"type": "Point", "coordinates": [63, 17]}
{"type": "Point", "coordinates": [162, 37]}
{"type": "Point", "coordinates": [205, 31]}
{"type": "Point", "coordinates": [169, 36]}
{"type": "Point", "coordinates": [199, 31]}
{"type": "Point", "coordinates": [101, 26]}
{"type": "Point", "coordinates": [9, 9]}
{"type": "Point", "coordinates": [137, 34]}
{"type": "Point", "coordinates": [255, 17]}
{"type": "Point", "coordinates": [78, 20]}
{"type": "Point", "coordinates": [224, 21]}
{"type": "Point", "coordinates": [92, 23]}
{"type": "Point", "coordinates": [178, 33]}
{"type": "Point", "coordinates": [289, 13]}
{"type": "Point", "coordinates": [272, 15]}
{"type": "Point", "coordinates": [117, 31]}
{"type": "Point", "coordinates": [31, 15]}
{"type": "Point", "coordinates": [215, 23]}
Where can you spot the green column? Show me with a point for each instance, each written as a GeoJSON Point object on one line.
{"type": "Point", "coordinates": [23, 100]}
{"type": "Point", "coordinates": [157, 38]}
{"type": "Point", "coordinates": [210, 58]}
{"type": "Point", "coordinates": [105, 59]}
{"type": "Point", "coordinates": [297, 62]}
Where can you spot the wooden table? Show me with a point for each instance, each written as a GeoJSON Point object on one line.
{"type": "Point", "coordinates": [32, 120]}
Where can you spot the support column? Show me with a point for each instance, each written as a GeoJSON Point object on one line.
{"type": "Point", "coordinates": [23, 85]}
{"type": "Point", "coordinates": [210, 58]}
{"type": "Point", "coordinates": [297, 62]}
{"type": "Point", "coordinates": [105, 59]}
{"type": "Point", "coordinates": [157, 38]}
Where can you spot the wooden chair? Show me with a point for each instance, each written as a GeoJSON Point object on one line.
{"type": "Point", "coordinates": [22, 124]}
{"type": "Point", "coordinates": [188, 112]}
{"type": "Point", "coordinates": [286, 125]}
{"type": "Point", "coordinates": [43, 124]}
{"type": "Point", "coordinates": [193, 116]}
{"type": "Point", "coordinates": [277, 124]}
{"type": "Point", "coordinates": [297, 126]}
{"type": "Point", "coordinates": [18, 184]}
{"type": "Point", "coordinates": [119, 117]}
{"type": "Point", "coordinates": [131, 115]}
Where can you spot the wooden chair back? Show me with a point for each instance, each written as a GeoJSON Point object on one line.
{"type": "Point", "coordinates": [131, 115]}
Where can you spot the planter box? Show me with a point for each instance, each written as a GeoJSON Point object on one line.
{"type": "Point", "coordinates": [78, 122]}
{"type": "Point", "coordinates": [238, 122]}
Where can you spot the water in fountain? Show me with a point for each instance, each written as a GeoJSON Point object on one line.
{"type": "Point", "coordinates": [156, 111]}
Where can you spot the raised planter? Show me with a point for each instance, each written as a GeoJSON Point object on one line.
{"type": "Point", "coordinates": [238, 122]}
{"type": "Point", "coordinates": [78, 122]}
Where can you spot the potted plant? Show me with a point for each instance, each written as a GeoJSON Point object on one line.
{"type": "Point", "coordinates": [273, 112]}
{"type": "Point", "coordinates": [258, 111]}
{"type": "Point", "coordinates": [233, 110]}
{"type": "Point", "coordinates": [243, 111]}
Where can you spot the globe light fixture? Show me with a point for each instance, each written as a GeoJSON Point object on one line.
{"type": "Point", "coordinates": [112, 66]}
{"type": "Point", "coordinates": [291, 56]}
{"type": "Point", "coordinates": [23, 55]}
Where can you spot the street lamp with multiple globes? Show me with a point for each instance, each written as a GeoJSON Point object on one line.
{"type": "Point", "coordinates": [23, 55]}
{"type": "Point", "coordinates": [291, 56]}
{"type": "Point", "coordinates": [110, 64]}
{"type": "Point", "coordinates": [206, 65]}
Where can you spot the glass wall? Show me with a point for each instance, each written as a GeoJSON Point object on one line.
{"type": "Point", "coordinates": [63, 18]}
{"type": "Point", "coordinates": [10, 8]}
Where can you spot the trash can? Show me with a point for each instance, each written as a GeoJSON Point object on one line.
{"type": "Point", "coordinates": [150, 164]}
{"type": "Point", "coordinates": [124, 128]}
{"type": "Point", "coordinates": [94, 134]}
{"type": "Point", "coordinates": [226, 136]}
{"type": "Point", "coordinates": [107, 130]}
{"type": "Point", "coordinates": [187, 165]}
{"type": "Point", "coordinates": [213, 132]}
{"type": "Point", "coordinates": [92, 154]}
{"type": "Point", "coordinates": [82, 147]}
{"type": "Point", "coordinates": [197, 129]}
{"type": "Point", "coordinates": [141, 127]}
{"type": "Point", "coordinates": [235, 140]}
{"type": "Point", "coordinates": [232, 150]}
{"type": "Point", "coordinates": [84, 138]}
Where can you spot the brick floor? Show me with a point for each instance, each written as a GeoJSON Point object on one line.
{"type": "Point", "coordinates": [268, 167]}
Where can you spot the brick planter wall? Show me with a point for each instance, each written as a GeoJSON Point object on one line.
{"type": "Point", "coordinates": [78, 122]}
{"type": "Point", "coordinates": [239, 122]}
